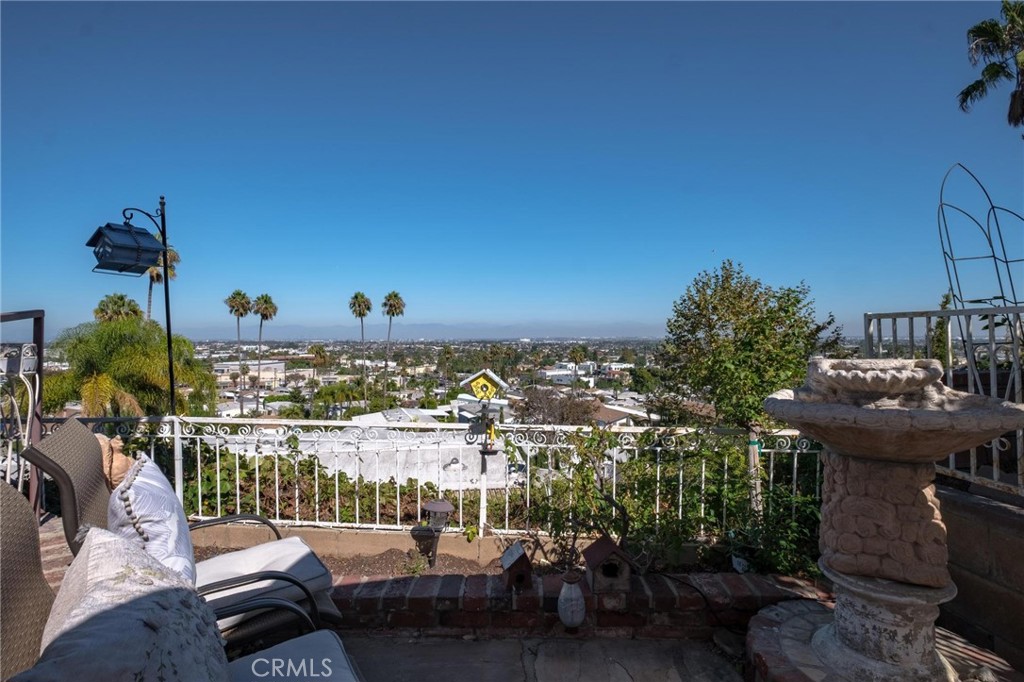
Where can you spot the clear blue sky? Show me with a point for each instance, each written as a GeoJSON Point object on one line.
{"type": "Point", "coordinates": [526, 163]}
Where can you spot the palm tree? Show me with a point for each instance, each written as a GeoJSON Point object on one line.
{"type": "Point", "coordinates": [240, 305]}
{"type": "Point", "coordinates": [116, 307]}
{"type": "Point", "coordinates": [445, 359]}
{"type": "Point", "coordinates": [1000, 45]}
{"type": "Point", "coordinates": [577, 354]}
{"type": "Point", "coordinates": [156, 274]}
{"type": "Point", "coordinates": [265, 307]}
{"type": "Point", "coordinates": [394, 307]}
{"type": "Point", "coordinates": [361, 306]}
{"type": "Point", "coordinates": [120, 368]}
{"type": "Point", "coordinates": [320, 357]}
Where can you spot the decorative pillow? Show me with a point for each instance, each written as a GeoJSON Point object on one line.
{"type": "Point", "coordinates": [145, 510]}
{"type": "Point", "coordinates": [115, 463]}
{"type": "Point", "coordinates": [122, 615]}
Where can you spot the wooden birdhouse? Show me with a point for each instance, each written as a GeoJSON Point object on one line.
{"type": "Point", "coordinates": [608, 567]}
{"type": "Point", "coordinates": [516, 568]}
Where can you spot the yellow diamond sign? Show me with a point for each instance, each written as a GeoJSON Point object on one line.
{"type": "Point", "coordinates": [483, 387]}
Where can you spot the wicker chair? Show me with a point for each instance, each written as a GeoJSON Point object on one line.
{"type": "Point", "coordinates": [73, 458]}
{"type": "Point", "coordinates": [26, 595]}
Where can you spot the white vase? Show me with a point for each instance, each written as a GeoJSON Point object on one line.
{"type": "Point", "coordinates": [571, 607]}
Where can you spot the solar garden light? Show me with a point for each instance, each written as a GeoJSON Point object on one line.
{"type": "Point", "coordinates": [129, 250]}
{"type": "Point", "coordinates": [428, 536]}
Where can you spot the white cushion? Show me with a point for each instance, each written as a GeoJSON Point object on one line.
{"type": "Point", "coordinates": [290, 555]}
{"type": "Point", "coordinates": [317, 656]}
{"type": "Point", "coordinates": [122, 615]}
{"type": "Point", "coordinates": [145, 510]}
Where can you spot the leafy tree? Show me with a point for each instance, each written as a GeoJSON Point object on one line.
{"type": "Point", "coordinates": [547, 406]}
{"type": "Point", "coordinates": [733, 340]}
{"type": "Point", "coordinates": [119, 368]}
{"type": "Point", "coordinates": [938, 337]}
{"type": "Point", "coordinates": [642, 380]}
{"type": "Point", "coordinates": [156, 274]}
{"type": "Point", "coordinates": [1000, 46]}
{"type": "Point", "coordinates": [116, 307]}
{"type": "Point", "coordinates": [265, 307]}
{"type": "Point", "coordinates": [239, 304]}
{"type": "Point", "coordinates": [394, 307]}
{"type": "Point", "coordinates": [361, 306]}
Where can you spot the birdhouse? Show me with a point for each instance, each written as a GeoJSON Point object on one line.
{"type": "Point", "coordinates": [516, 568]}
{"type": "Point", "coordinates": [485, 384]}
{"type": "Point", "coordinates": [608, 567]}
{"type": "Point", "coordinates": [124, 249]}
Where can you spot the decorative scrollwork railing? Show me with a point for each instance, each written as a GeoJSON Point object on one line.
{"type": "Point", "coordinates": [345, 474]}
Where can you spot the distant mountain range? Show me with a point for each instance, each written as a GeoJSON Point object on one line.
{"type": "Point", "coordinates": [440, 332]}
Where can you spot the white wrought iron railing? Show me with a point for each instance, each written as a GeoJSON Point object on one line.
{"type": "Point", "coordinates": [981, 354]}
{"type": "Point", "coordinates": [341, 474]}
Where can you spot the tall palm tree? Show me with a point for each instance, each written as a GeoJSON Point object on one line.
{"type": "Point", "coordinates": [156, 274]}
{"type": "Point", "coordinates": [265, 307]}
{"type": "Point", "coordinates": [240, 305]}
{"type": "Point", "coordinates": [577, 354]}
{"type": "Point", "coordinates": [394, 307]}
{"type": "Point", "coordinates": [116, 307]}
{"type": "Point", "coordinates": [445, 359]}
{"type": "Point", "coordinates": [361, 306]}
{"type": "Point", "coordinates": [1000, 45]}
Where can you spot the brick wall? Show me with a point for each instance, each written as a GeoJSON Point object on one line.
{"type": "Point", "coordinates": [986, 560]}
{"type": "Point", "coordinates": [688, 606]}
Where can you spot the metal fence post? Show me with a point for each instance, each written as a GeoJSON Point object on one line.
{"type": "Point", "coordinates": [179, 468]}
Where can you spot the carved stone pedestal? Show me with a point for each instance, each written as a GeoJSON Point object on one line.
{"type": "Point", "coordinates": [883, 631]}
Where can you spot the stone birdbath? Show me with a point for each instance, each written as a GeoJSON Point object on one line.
{"type": "Point", "coordinates": [883, 425]}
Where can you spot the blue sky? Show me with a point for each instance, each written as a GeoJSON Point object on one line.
{"type": "Point", "coordinates": [545, 166]}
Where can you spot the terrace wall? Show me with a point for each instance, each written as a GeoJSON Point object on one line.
{"type": "Point", "coordinates": [986, 560]}
{"type": "Point", "coordinates": [656, 606]}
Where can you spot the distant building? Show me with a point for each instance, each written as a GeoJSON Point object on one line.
{"type": "Point", "coordinates": [271, 374]}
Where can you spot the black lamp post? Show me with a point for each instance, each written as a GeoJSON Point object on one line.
{"type": "Point", "coordinates": [129, 250]}
{"type": "Point", "coordinates": [427, 537]}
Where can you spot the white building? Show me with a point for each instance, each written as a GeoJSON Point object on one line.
{"type": "Point", "coordinates": [271, 372]}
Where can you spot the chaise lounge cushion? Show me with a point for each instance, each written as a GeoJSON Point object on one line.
{"type": "Point", "coordinates": [122, 615]}
{"type": "Point", "coordinates": [144, 509]}
{"type": "Point", "coordinates": [290, 555]}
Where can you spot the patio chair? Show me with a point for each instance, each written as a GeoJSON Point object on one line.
{"type": "Point", "coordinates": [91, 649]}
{"type": "Point", "coordinates": [285, 567]}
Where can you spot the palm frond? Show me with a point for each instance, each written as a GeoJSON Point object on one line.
{"type": "Point", "coordinates": [987, 40]}
{"type": "Point", "coordinates": [97, 392]}
{"type": "Point", "coordinates": [127, 404]}
{"type": "Point", "coordinates": [991, 75]}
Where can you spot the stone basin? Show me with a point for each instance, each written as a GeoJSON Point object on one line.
{"type": "Point", "coordinates": [891, 410]}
